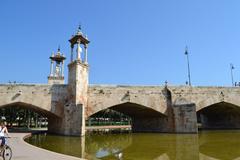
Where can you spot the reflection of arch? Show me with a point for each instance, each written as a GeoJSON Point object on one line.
{"type": "Point", "coordinates": [109, 144]}
{"type": "Point", "coordinates": [206, 157]}
{"type": "Point", "coordinates": [220, 145]}
{"type": "Point", "coordinates": [37, 109]}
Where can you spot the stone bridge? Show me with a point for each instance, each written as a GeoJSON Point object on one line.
{"type": "Point", "coordinates": [152, 108]}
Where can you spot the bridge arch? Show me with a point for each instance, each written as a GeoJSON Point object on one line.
{"type": "Point", "coordinates": [35, 108]}
{"type": "Point", "coordinates": [95, 106]}
{"type": "Point", "coordinates": [209, 101]}
{"type": "Point", "coordinates": [52, 118]}
{"type": "Point", "coordinates": [134, 110]}
{"type": "Point", "coordinates": [219, 115]}
{"type": "Point", "coordinates": [144, 119]}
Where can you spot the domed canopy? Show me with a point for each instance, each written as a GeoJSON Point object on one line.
{"type": "Point", "coordinates": [58, 57]}
{"type": "Point", "coordinates": [79, 37]}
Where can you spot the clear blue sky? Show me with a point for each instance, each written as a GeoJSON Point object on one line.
{"type": "Point", "coordinates": [138, 42]}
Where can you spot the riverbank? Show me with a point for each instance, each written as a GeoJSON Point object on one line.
{"type": "Point", "coordinates": [24, 151]}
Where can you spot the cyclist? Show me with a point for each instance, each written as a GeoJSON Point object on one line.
{"type": "Point", "coordinates": [3, 130]}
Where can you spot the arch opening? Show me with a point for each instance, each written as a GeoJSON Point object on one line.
{"type": "Point", "coordinates": [22, 116]}
{"type": "Point", "coordinates": [219, 116]}
{"type": "Point", "coordinates": [141, 118]}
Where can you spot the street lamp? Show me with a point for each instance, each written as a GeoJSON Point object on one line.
{"type": "Point", "coordinates": [231, 68]}
{"type": "Point", "coordinates": [189, 77]}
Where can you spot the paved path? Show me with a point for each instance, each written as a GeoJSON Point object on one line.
{"type": "Point", "coordinates": [24, 151]}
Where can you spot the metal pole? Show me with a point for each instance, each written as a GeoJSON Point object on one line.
{"type": "Point", "coordinates": [231, 68]}
{"type": "Point", "coordinates": [189, 76]}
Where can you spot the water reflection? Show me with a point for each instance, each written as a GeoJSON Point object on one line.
{"type": "Point", "coordinates": [107, 145]}
{"type": "Point", "coordinates": [153, 146]}
{"type": "Point", "coordinates": [211, 145]}
{"type": "Point", "coordinates": [68, 145]}
{"type": "Point", "coordinates": [221, 145]}
{"type": "Point", "coordinates": [186, 147]}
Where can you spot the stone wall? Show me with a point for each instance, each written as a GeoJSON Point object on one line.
{"type": "Point", "coordinates": [154, 97]}
{"type": "Point", "coordinates": [101, 97]}
{"type": "Point", "coordinates": [150, 124]}
{"type": "Point", "coordinates": [67, 106]}
{"type": "Point", "coordinates": [37, 96]}
{"type": "Point", "coordinates": [185, 117]}
{"type": "Point", "coordinates": [206, 96]}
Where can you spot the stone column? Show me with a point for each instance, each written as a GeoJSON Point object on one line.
{"type": "Point", "coordinates": [86, 58]}
{"type": "Point", "coordinates": [51, 68]}
{"type": "Point", "coordinates": [79, 50]}
{"type": "Point", "coordinates": [62, 68]}
{"type": "Point", "coordinates": [72, 46]}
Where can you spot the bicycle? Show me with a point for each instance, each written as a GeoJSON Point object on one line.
{"type": "Point", "coordinates": [6, 151]}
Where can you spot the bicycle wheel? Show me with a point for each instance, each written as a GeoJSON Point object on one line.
{"type": "Point", "coordinates": [7, 153]}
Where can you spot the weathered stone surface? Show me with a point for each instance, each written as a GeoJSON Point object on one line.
{"type": "Point", "coordinates": [150, 124]}
{"type": "Point", "coordinates": [188, 99]}
{"type": "Point", "coordinates": [185, 117]}
{"type": "Point", "coordinates": [101, 97]}
{"type": "Point", "coordinates": [77, 95]}
{"type": "Point", "coordinates": [104, 96]}
{"type": "Point", "coordinates": [206, 96]}
{"type": "Point", "coordinates": [55, 80]}
{"type": "Point", "coordinates": [45, 98]}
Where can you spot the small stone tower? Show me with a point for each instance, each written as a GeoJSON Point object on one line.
{"type": "Point", "coordinates": [78, 68]}
{"type": "Point", "coordinates": [78, 83]}
{"type": "Point", "coordinates": [57, 68]}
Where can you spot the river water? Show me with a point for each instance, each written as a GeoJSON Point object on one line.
{"type": "Point", "coordinates": [207, 145]}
